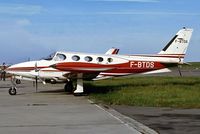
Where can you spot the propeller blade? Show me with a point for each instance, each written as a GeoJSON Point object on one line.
{"type": "Point", "coordinates": [36, 84]}
{"type": "Point", "coordinates": [36, 77]}
{"type": "Point", "coordinates": [36, 68]}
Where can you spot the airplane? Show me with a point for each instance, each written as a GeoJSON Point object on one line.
{"type": "Point", "coordinates": [75, 66]}
{"type": "Point", "coordinates": [53, 78]}
{"type": "Point", "coordinates": [39, 71]}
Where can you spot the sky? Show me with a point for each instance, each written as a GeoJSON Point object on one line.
{"type": "Point", "coordinates": [34, 29]}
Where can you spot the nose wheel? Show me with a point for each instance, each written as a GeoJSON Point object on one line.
{"type": "Point", "coordinates": [12, 91]}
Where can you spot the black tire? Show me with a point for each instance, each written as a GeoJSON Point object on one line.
{"type": "Point", "coordinates": [18, 81]}
{"type": "Point", "coordinates": [69, 87]}
{"type": "Point", "coordinates": [79, 94]}
{"type": "Point", "coordinates": [12, 91]}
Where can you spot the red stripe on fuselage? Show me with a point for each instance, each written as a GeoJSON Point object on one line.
{"type": "Point", "coordinates": [129, 67]}
{"type": "Point", "coordinates": [23, 69]}
{"type": "Point", "coordinates": [163, 55]}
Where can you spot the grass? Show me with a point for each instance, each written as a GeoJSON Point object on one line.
{"type": "Point", "coordinates": [192, 66]}
{"type": "Point", "coordinates": [179, 92]}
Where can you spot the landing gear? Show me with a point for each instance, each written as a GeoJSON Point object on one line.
{"type": "Point", "coordinates": [79, 86]}
{"type": "Point", "coordinates": [69, 87]}
{"type": "Point", "coordinates": [12, 91]}
{"type": "Point", "coordinates": [18, 81]}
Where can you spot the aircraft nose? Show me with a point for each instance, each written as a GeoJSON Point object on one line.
{"type": "Point", "coordinates": [8, 68]}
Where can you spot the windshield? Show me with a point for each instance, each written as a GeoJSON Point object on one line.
{"type": "Point", "coordinates": [59, 57]}
{"type": "Point", "coordinates": [50, 57]}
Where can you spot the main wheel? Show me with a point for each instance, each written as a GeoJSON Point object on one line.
{"type": "Point", "coordinates": [18, 81]}
{"type": "Point", "coordinates": [12, 91]}
{"type": "Point", "coordinates": [69, 87]}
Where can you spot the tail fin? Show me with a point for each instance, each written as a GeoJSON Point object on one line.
{"type": "Point", "coordinates": [179, 43]}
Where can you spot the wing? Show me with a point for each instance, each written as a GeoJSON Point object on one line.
{"type": "Point", "coordinates": [88, 70]}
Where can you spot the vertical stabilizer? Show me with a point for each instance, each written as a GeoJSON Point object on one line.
{"type": "Point", "coordinates": [179, 43]}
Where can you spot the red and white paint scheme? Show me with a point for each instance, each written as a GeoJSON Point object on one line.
{"type": "Point", "coordinates": [70, 66]}
{"type": "Point", "coordinates": [40, 71]}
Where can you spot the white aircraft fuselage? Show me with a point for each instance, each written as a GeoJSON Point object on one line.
{"type": "Point", "coordinates": [66, 66]}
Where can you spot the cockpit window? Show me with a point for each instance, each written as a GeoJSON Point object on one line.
{"type": "Point", "coordinates": [50, 57]}
{"type": "Point", "coordinates": [60, 57]}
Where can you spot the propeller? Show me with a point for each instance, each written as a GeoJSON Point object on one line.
{"type": "Point", "coordinates": [36, 77]}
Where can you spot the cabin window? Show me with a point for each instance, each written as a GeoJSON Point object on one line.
{"type": "Point", "coordinates": [75, 58]}
{"type": "Point", "coordinates": [88, 58]}
{"type": "Point", "coordinates": [99, 59]}
{"type": "Point", "coordinates": [110, 60]}
{"type": "Point", "coordinates": [60, 57]}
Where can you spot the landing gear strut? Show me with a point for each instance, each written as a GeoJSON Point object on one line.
{"type": "Point", "coordinates": [69, 86]}
{"type": "Point", "coordinates": [13, 90]}
{"type": "Point", "coordinates": [79, 86]}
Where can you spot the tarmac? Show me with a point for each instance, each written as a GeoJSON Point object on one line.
{"type": "Point", "coordinates": [165, 120]}
{"type": "Point", "coordinates": [51, 111]}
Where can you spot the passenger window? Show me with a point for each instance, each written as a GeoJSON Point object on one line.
{"type": "Point", "coordinates": [76, 58]}
{"type": "Point", "coordinates": [99, 59]}
{"type": "Point", "coordinates": [110, 60]}
{"type": "Point", "coordinates": [88, 58]}
{"type": "Point", "coordinates": [60, 57]}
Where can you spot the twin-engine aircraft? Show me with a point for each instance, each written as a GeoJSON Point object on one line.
{"type": "Point", "coordinates": [39, 71]}
{"type": "Point", "coordinates": [72, 66]}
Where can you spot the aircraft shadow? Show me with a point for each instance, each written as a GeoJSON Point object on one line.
{"type": "Point", "coordinates": [53, 91]}
{"type": "Point", "coordinates": [101, 89]}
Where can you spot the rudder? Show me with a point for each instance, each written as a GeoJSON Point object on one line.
{"type": "Point", "coordinates": [179, 43]}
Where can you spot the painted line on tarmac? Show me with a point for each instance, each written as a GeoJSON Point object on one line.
{"type": "Point", "coordinates": [132, 124]}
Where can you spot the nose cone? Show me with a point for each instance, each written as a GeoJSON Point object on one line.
{"type": "Point", "coordinates": [24, 66]}
{"type": "Point", "coordinates": [10, 69]}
